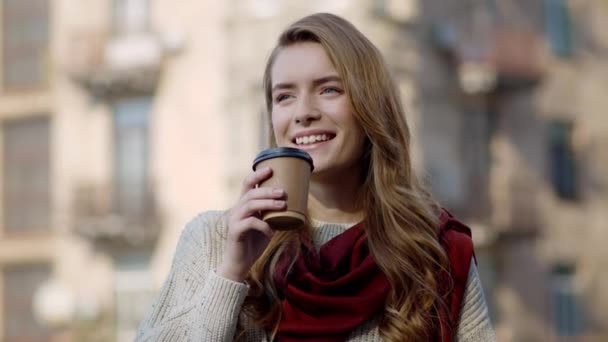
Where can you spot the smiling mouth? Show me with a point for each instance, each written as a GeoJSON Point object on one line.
{"type": "Point", "coordinates": [312, 139]}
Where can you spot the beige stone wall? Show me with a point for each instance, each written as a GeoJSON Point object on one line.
{"type": "Point", "coordinates": [206, 127]}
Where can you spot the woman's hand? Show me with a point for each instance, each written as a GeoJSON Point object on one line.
{"type": "Point", "coordinates": [248, 235]}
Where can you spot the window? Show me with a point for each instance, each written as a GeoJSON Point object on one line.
{"type": "Point", "coordinates": [562, 159]}
{"type": "Point", "coordinates": [134, 293]}
{"type": "Point", "coordinates": [131, 156]}
{"type": "Point", "coordinates": [446, 177]}
{"type": "Point", "coordinates": [558, 27]}
{"type": "Point", "coordinates": [566, 311]}
{"type": "Point", "coordinates": [477, 122]}
{"type": "Point", "coordinates": [398, 10]}
{"type": "Point", "coordinates": [20, 284]}
{"type": "Point", "coordinates": [26, 175]}
{"type": "Point", "coordinates": [130, 16]}
{"type": "Point", "coordinates": [492, 7]}
{"type": "Point", "coordinates": [25, 43]}
{"type": "Point", "coordinates": [379, 7]}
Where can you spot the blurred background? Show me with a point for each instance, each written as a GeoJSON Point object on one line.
{"type": "Point", "coordinates": [122, 119]}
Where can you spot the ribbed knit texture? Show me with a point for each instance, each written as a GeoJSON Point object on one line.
{"type": "Point", "coordinates": [195, 304]}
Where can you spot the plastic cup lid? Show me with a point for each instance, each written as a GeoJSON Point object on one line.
{"type": "Point", "coordinates": [282, 152]}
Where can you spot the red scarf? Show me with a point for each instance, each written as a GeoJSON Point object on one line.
{"type": "Point", "coordinates": [455, 238]}
{"type": "Point", "coordinates": [326, 295]}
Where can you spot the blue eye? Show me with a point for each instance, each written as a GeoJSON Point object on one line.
{"type": "Point", "coordinates": [281, 97]}
{"type": "Point", "coordinates": [330, 90]}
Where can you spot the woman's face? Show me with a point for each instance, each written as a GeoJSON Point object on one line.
{"type": "Point", "coordinates": [312, 112]}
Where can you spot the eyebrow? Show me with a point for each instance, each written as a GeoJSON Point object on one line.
{"type": "Point", "coordinates": [315, 82]}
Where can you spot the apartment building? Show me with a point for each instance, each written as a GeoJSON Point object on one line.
{"type": "Point", "coordinates": [513, 130]}
{"type": "Point", "coordinates": [122, 119]}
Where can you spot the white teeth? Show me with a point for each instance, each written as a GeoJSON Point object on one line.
{"type": "Point", "coordinates": [311, 139]}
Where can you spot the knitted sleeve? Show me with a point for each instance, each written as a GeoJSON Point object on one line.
{"type": "Point", "coordinates": [474, 325]}
{"type": "Point", "coordinates": [194, 303]}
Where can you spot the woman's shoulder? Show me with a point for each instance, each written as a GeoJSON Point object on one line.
{"type": "Point", "coordinates": [456, 239]}
{"type": "Point", "coordinates": [202, 239]}
{"type": "Point", "coordinates": [207, 219]}
{"type": "Point", "coordinates": [205, 226]}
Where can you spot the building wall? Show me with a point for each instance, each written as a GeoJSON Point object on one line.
{"type": "Point", "coordinates": [534, 231]}
{"type": "Point", "coordinates": [485, 155]}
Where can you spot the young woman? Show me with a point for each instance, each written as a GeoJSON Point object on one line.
{"type": "Point", "coordinates": [378, 260]}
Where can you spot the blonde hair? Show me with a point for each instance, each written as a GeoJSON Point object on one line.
{"type": "Point", "coordinates": [401, 217]}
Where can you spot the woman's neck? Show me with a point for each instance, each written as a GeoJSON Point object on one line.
{"type": "Point", "coordinates": [335, 201]}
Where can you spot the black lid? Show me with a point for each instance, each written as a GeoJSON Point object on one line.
{"type": "Point", "coordinates": [282, 152]}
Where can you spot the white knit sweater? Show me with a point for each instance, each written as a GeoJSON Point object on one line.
{"type": "Point", "coordinates": [195, 304]}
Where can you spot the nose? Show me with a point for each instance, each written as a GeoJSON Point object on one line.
{"type": "Point", "coordinates": [306, 110]}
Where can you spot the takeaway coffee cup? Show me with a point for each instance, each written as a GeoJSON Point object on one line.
{"type": "Point", "coordinates": [291, 169]}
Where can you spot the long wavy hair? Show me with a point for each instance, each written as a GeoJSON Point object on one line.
{"type": "Point", "coordinates": [401, 217]}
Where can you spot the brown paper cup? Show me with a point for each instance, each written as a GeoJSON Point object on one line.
{"type": "Point", "coordinates": [291, 169]}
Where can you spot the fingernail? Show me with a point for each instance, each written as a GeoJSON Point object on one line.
{"type": "Point", "coordinates": [279, 203]}
{"type": "Point", "coordinates": [277, 191]}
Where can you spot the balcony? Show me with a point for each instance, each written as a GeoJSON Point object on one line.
{"type": "Point", "coordinates": [519, 56]}
{"type": "Point", "coordinates": [101, 216]}
{"type": "Point", "coordinates": [110, 66]}
{"type": "Point", "coordinates": [494, 57]}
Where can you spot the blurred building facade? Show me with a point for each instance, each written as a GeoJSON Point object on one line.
{"type": "Point", "coordinates": [520, 84]}
{"type": "Point", "coordinates": [122, 119]}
